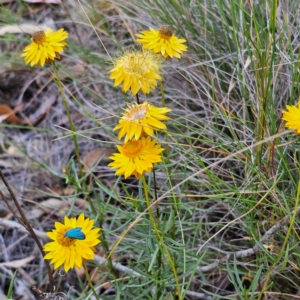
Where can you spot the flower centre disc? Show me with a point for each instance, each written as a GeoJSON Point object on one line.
{"type": "Point", "coordinates": [137, 113]}
{"type": "Point", "coordinates": [165, 32]}
{"type": "Point", "coordinates": [63, 240]}
{"type": "Point", "coordinates": [132, 149]}
{"type": "Point", "coordinates": [136, 65]}
{"type": "Point", "coordinates": [39, 37]}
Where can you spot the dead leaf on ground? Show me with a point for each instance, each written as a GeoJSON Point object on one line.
{"type": "Point", "coordinates": [57, 190]}
{"type": "Point", "coordinates": [43, 109]}
{"type": "Point", "coordinates": [93, 156]}
{"type": "Point", "coordinates": [61, 206]}
{"type": "Point", "coordinates": [18, 263]}
{"type": "Point", "coordinates": [23, 28]}
{"type": "Point", "coordinates": [50, 205]}
{"type": "Point", "coordinates": [7, 114]}
{"type": "Point", "coordinates": [79, 67]}
{"type": "Point", "coordinates": [14, 151]}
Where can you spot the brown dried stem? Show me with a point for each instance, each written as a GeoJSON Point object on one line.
{"type": "Point", "coordinates": [23, 220]}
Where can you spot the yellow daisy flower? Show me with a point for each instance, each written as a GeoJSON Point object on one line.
{"type": "Point", "coordinates": [71, 250]}
{"type": "Point", "coordinates": [45, 47]}
{"type": "Point", "coordinates": [138, 70]}
{"type": "Point", "coordinates": [292, 117]}
{"type": "Point", "coordinates": [141, 119]}
{"type": "Point", "coordinates": [162, 41]}
{"type": "Point", "coordinates": [136, 157]}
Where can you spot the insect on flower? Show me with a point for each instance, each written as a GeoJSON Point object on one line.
{"type": "Point", "coordinates": [75, 233]}
{"type": "Point", "coordinates": [73, 242]}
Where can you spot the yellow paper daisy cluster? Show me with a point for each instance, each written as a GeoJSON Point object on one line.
{"type": "Point", "coordinates": [139, 152]}
{"type": "Point", "coordinates": [139, 70]}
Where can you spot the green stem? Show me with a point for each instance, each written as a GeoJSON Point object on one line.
{"type": "Point", "coordinates": [155, 198]}
{"type": "Point", "coordinates": [72, 126]}
{"type": "Point", "coordinates": [74, 137]}
{"type": "Point", "coordinates": [87, 275]}
{"type": "Point", "coordinates": [160, 237]}
{"type": "Point", "coordinates": [175, 202]}
{"type": "Point", "coordinates": [159, 254]}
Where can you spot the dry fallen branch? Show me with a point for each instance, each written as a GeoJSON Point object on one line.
{"type": "Point", "coordinates": [248, 252]}
{"type": "Point", "coordinates": [20, 228]}
{"type": "Point", "coordinates": [17, 263]}
{"type": "Point", "coordinates": [131, 272]}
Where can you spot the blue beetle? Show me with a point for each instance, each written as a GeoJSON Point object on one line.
{"type": "Point", "coordinates": [75, 233]}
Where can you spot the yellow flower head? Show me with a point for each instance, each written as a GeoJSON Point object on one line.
{"type": "Point", "coordinates": [292, 117]}
{"type": "Point", "coordinates": [141, 119]}
{"type": "Point", "coordinates": [162, 41]}
{"type": "Point", "coordinates": [68, 251]}
{"type": "Point", "coordinates": [136, 157]}
{"type": "Point", "coordinates": [45, 47]}
{"type": "Point", "coordinates": [138, 70]}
